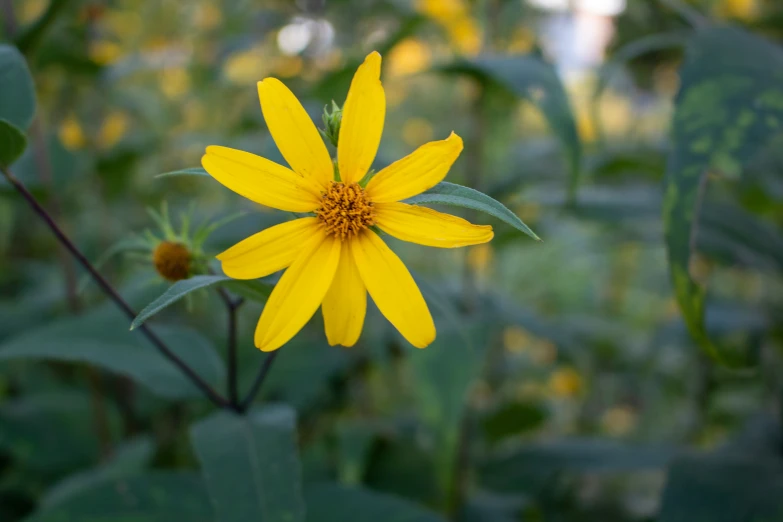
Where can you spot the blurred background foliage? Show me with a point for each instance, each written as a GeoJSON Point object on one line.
{"type": "Point", "coordinates": [627, 368]}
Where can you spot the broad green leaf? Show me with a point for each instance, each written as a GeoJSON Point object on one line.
{"type": "Point", "coordinates": [530, 78]}
{"type": "Point", "coordinates": [127, 459]}
{"type": "Point", "coordinates": [17, 91]}
{"type": "Point", "coordinates": [103, 340]}
{"type": "Point", "coordinates": [332, 503]}
{"type": "Point", "coordinates": [444, 374]}
{"type": "Point", "coordinates": [255, 290]}
{"type": "Point", "coordinates": [725, 111]}
{"type": "Point", "coordinates": [445, 193]}
{"type": "Point", "coordinates": [193, 171]}
{"type": "Point", "coordinates": [532, 467]}
{"type": "Point", "coordinates": [151, 497]}
{"type": "Point", "coordinates": [12, 143]}
{"type": "Point", "coordinates": [724, 488]}
{"type": "Point", "coordinates": [51, 433]}
{"type": "Point", "coordinates": [251, 465]}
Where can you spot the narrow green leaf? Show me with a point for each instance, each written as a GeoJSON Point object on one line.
{"type": "Point", "coordinates": [725, 112]}
{"type": "Point", "coordinates": [151, 497]}
{"type": "Point", "coordinates": [251, 465]}
{"type": "Point", "coordinates": [445, 193]}
{"type": "Point", "coordinates": [12, 143]}
{"type": "Point", "coordinates": [333, 503]}
{"type": "Point", "coordinates": [255, 290]}
{"type": "Point", "coordinates": [530, 78]}
{"type": "Point", "coordinates": [104, 341]}
{"type": "Point", "coordinates": [193, 171]}
{"type": "Point", "coordinates": [17, 91]}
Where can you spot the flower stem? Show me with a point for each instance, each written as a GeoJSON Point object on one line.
{"type": "Point", "coordinates": [232, 305]}
{"type": "Point", "coordinates": [112, 293]}
{"type": "Point", "coordinates": [260, 378]}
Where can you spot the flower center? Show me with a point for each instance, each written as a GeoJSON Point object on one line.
{"type": "Point", "coordinates": [345, 210]}
{"type": "Point", "coordinates": [172, 260]}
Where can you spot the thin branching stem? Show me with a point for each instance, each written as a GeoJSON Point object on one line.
{"type": "Point", "coordinates": [260, 378]}
{"type": "Point", "coordinates": [232, 305]}
{"type": "Point", "coordinates": [200, 383]}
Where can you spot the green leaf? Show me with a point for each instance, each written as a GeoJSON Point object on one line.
{"type": "Point", "coordinates": [725, 111]}
{"type": "Point", "coordinates": [128, 459]}
{"type": "Point", "coordinates": [17, 91]}
{"type": "Point", "coordinates": [534, 466]}
{"type": "Point", "coordinates": [445, 193]}
{"type": "Point", "coordinates": [724, 488]}
{"type": "Point", "coordinates": [104, 341]}
{"type": "Point", "coordinates": [332, 503]}
{"type": "Point", "coordinates": [12, 143]}
{"type": "Point", "coordinates": [51, 433]}
{"type": "Point", "coordinates": [444, 374]}
{"type": "Point", "coordinates": [255, 290]}
{"type": "Point", "coordinates": [530, 78]}
{"type": "Point", "coordinates": [152, 497]}
{"type": "Point", "coordinates": [193, 171]}
{"type": "Point", "coordinates": [251, 466]}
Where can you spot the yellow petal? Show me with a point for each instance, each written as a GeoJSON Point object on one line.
{"type": "Point", "coordinates": [261, 180]}
{"type": "Point", "coordinates": [268, 251]}
{"type": "Point", "coordinates": [362, 123]}
{"type": "Point", "coordinates": [294, 132]}
{"type": "Point", "coordinates": [393, 289]}
{"type": "Point", "coordinates": [299, 293]}
{"type": "Point", "coordinates": [345, 303]}
{"type": "Point", "coordinates": [421, 170]}
{"type": "Point", "coordinates": [429, 227]}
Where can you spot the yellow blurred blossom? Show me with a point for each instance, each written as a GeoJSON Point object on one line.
{"type": "Point", "coordinates": [126, 25]}
{"type": "Point", "coordinates": [516, 339]}
{"type": "Point", "coordinates": [207, 15]}
{"type": "Point", "coordinates": [565, 382]}
{"type": "Point", "coordinates": [71, 133]}
{"type": "Point", "coordinates": [416, 131]}
{"type": "Point", "coordinates": [113, 129]}
{"type": "Point", "coordinates": [287, 66]}
{"type": "Point", "coordinates": [31, 10]}
{"type": "Point", "coordinates": [618, 421]}
{"type": "Point", "coordinates": [585, 125]}
{"type": "Point", "coordinates": [479, 258]}
{"type": "Point", "coordinates": [521, 41]}
{"type": "Point", "coordinates": [455, 17]}
{"type": "Point", "coordinates": [175, 82]}
{"type": "Point", "coordinates": [194, 114]}
{"type": "Point", "coordinates": [744, 9]}
{"type": "Point", "coordinates": [408, 57]}
{"type": "Point", "coordinates": [245, 67]}
{"type": "Point", "coordinates": [104, 52]}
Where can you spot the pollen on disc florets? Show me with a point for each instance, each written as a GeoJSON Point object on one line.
{"type": "Point", "coordinates": [345, 210]}
{"type": "Point", "coordinates": [172, 260]}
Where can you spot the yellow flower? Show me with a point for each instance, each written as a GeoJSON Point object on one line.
{"type": "Point", "coordinates": [334, 257]}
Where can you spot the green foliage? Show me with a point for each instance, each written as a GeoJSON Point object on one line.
{"type": "Point", "coordinates": [726, 110]}
{"type": "Point", "coordinates": [445, 193]}
{"type": "Point", "coordinates": [532, 79]}
{"type": "Point", "coordinates": [255, 290]}
{"type": "Point", "coordinates": [250, 465]}
{"type": "Point", "coordinates": [102, 339]}
{"type": "Point", "coordinates": [17, 96]}
{"type": "Point", "coordinates": [12, 143]}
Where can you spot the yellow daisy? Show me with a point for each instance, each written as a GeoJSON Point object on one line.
{"type": "Point", "coordinates": [334, 257]}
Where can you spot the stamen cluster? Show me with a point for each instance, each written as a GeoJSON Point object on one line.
{"type": "Point", "coordinates": [345, 210]}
